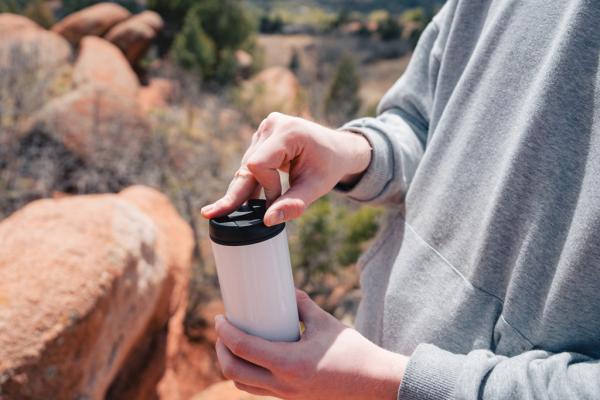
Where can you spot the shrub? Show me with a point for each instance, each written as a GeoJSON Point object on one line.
{"type": "Point", "coordinates": [357, 228]}
{"type": "Point", "coordinates": [270, 23]}
{"type": "Point", "coordinates": [211, 33]}
{"type": "Point", "coordinates": [343, 100]}
{"type": "Point", "coordinates": [389, 29]}
{"type": "Point", "coordinates": [193, 49]}
{"type": "Point", "coordinates": [328, 237]}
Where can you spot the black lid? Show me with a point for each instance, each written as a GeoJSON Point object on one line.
{"type": "Point", "coordinates": [244, 226]}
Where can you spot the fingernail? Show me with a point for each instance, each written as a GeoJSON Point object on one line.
{"type": "Point", "coordinates": [218, 319]}
{"type": "Point", "coordinates": [207, 208]}
{"type": "Point", "coordinates": [275, 218]}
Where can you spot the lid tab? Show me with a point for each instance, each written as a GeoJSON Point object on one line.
{"type": "Point", "coordinates": [244, 226]}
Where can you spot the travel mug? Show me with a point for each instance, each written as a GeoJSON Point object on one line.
{"type": "Point", "coordinates": [255, 273]}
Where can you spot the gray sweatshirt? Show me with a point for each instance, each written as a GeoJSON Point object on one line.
{"type": "Point", "coordinates": [487, 155]}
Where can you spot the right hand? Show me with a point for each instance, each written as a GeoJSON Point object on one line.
{"type": "Point", "coordinates": [316, 157]}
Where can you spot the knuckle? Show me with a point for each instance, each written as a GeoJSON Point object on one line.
{"type": "Point", "coordinates": [300, 369]}
{"type": "Point", "coordinates": [243, 172]}
{"type": "Point", "coordinates": [229, 370]}
{"type": "Point", "coordinates": [295, 208]}
{"type": "Point", "coordinates": [238, 346]}
{"type": "Point", "coordinates": [254, 165]}
{"type": "Point", "coordinates": [274, 116]}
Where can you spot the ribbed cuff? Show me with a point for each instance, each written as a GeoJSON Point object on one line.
{"type": "Point", "coordinates": [380, 170]}
{"type": "Point", "coordinates": [431, 374]}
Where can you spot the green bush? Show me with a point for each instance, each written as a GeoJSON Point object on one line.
{"type": "Point", "coordinates": [389, 29]}
{"type": "Point", "coordinates": [35, 10]}
{"type": "Point", "coordinates": [330, 236]}
{"type": "Point", "coordinates": [212, 31]}
{"type": "Point", "coordinates": [343, 100]}
{"type": "Point", "coordinates": [313, 248]}
{"type": "Point", "coordinates": [193, 49]}
{"type": "Point", "coordinates": [358, 227]}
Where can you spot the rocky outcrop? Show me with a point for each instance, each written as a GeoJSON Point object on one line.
{"type": "Point", "coordinates": [135, 35]}
{"type": "Point", "coordinates": [273, 89]}
{"type": "Point", "coordinates": [94, 20]}
{"type": "Point", "coordinates": [156, 94]}
{"type": "Point", "coordinates": [85, 292]}
{"type": "Point", "coordinates": [227, 391]}
{"type": "Point", "coordinates": [101, 63]}
{"type": "Point", "coordinates": [243, 63]}
{"type": "Point", "coordinates": [25, 42]}
{"type": "Point", "coordinates": [12, 23]}
{"type": "Point", "coordinates": [94, 124]}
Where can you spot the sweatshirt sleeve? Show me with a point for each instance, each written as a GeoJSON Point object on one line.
{"type": "Point", "coordinates": [436, 374]}
{"type": "Point", "coordinates": [398, 135]}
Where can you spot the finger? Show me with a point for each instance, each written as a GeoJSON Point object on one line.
{"type": "Point", "coordinates": [254, 349]}
{"type": "Point", "coordinates": [264, 164]}
{"type": "Point", "coordinates": [242, 371]}
{"type": "Point", "coordinates": [253, 390]}
{"type": "Point", "coordinates": [291, 204]}
{"type": "Point", "coordinates": [239, 190]}
{"type": "Point", "coordinates": [310, 313]}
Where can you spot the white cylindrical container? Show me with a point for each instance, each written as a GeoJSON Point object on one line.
{"type": "Point", "coordinates": [255, 274]}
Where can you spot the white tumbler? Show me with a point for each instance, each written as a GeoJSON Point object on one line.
{"type": "Point", "coordinates": [255, 274]}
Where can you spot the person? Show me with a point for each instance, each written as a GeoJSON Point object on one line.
{"type": "Point", "coordinates": [485, 282]}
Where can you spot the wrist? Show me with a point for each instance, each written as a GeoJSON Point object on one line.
{"type": "Point", "coordinates": [359, 155]}
{"type": "Point", "coordinates": [388, 373]}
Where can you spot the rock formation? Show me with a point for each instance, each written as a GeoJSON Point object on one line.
{"type": "Point", "coordinates": [85, 283]}
{"type": "Point", "coordinates": [135, 35]}
{"type": "Point", "coordinates": [94, 20]}
{"type": "Point", "coordinates": [101, 63]}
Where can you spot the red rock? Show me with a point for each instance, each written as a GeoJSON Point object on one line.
{"type": "Point", "coordinates": [176, 238]}
{"type": "Point", "coordinates": [135, 35]}
{"type": "Point", "coordinates": [101, 63]}
{"type": "Point", "coordinates": [150, 18]}
{"type": "Point", "coordinates": [175, 241]}
{"type": "Point", "coordinates": [92, 122]}
{"type": "Point", "coordinates": [23, 41]}
{"type": "Point", "coordinates": [244, 62]}
{"type": "Point", "coordinates": [11, 24]}
{"type": "Point", "coordinates": [94, 20]}
{"type": "Point", "coordinates": [273, 89]}
{"type": "Point", "coordinates": [82, 281]}
{"type": "Point", "coordinates": [226, 390]}
{"type": "Point", "coordinates": [157, 94]}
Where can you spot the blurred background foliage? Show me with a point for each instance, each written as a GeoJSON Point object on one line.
{"type": "Point", "coordinates": [343, 54]}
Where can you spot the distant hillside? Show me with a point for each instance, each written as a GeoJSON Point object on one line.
{"type": "Point", "coordinates": [354, 5]}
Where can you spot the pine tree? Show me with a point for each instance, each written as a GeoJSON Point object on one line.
{"type": "Point", "coordinates": [193, 49]}
{"type": "Point", "coordinates": [343, 99]}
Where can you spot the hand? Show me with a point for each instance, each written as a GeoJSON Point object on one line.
{"type": "Point", "coordinates": [330, 361]}
{"type": "Point", "coordinates": [316, 157]}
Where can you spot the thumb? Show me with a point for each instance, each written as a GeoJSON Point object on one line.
{"type": "Point", "coordinates": [291, 204]}
{"type": "Point", "coordinates": [310, 313]}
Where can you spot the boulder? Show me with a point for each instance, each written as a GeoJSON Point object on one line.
{"type": "Point", "coordinates": [273, 89]}
{"type": "Point", "coordinates": [135, 35]}
{"type": "Point", "coordinates": [25, 42]}
{"type": "Point", "coordinates": [11, 24]}
{"type": "Point", "coordinates": [156, 94]}
{"type": "Point", "coordinates": [226, 390]}
{"type": "Point", "coordinates": [84, 292]}
{"type": "Point", "coordinates": [140, 378]}
{"type": "Point", "coordinates": [94, 20]}
{"type": "Point", "coordinates": [243, 62]}
{"type": "Point", "coordinates": [94, 124]}
{"type": "Point", "coordinates": [175, 239]}
{"type": "Point", "coordinates": [101, 63]}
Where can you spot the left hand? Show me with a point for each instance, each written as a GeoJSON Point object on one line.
{"type": "Point", "coordinates": [330, 361]}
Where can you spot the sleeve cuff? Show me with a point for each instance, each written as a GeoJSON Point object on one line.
{"type": "Point", "coordinates": [379, 172]}
{"type": "Point", "coordinates": [431, 374]}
